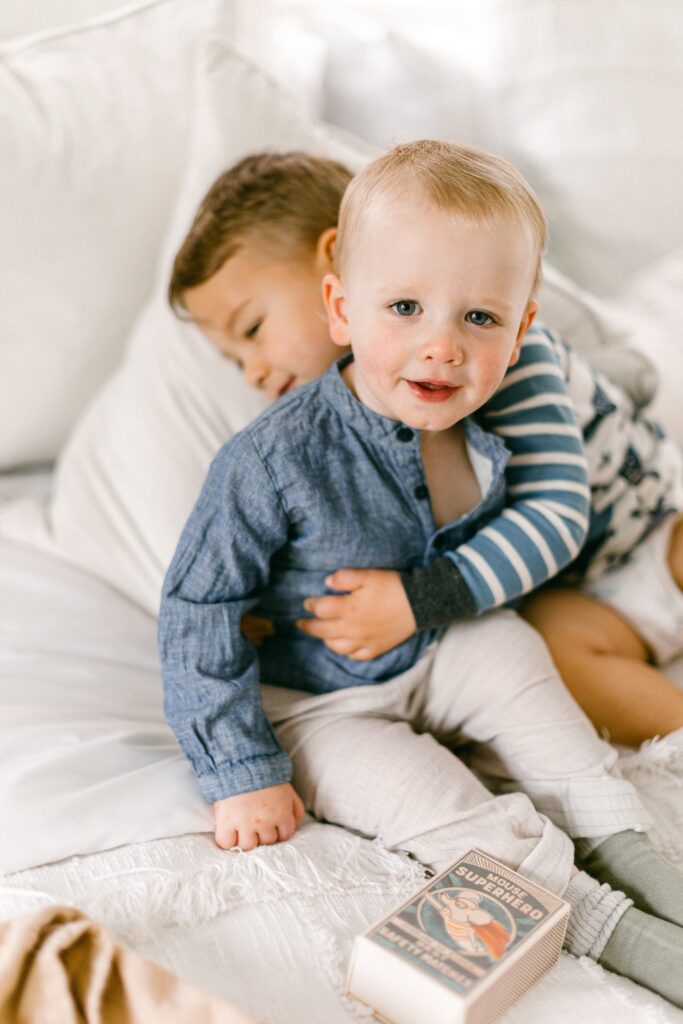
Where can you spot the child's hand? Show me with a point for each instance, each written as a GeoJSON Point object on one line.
{"type": "Point", "coordinates": [365, 623]}
{"type": "Point", "coordinates": [259, 818]}
{"type": "Point", "coordinates": [256, 629]}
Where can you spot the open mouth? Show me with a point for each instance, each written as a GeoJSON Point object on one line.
{"type": "Point", "coordinates": [431, 390]}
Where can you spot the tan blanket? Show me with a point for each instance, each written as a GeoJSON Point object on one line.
{"type": "Point", "coordinates": [58, 967]}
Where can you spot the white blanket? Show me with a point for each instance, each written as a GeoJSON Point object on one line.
{"type": "Point", "coordinates": [272, 930]}
{"type": "Point", "coordinates": [90, 768]}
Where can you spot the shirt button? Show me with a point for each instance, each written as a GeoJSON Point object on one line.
{"type": "Point", "coordinates": [405, 434]}
{"type": "Point", "coordinates": [421, 492]}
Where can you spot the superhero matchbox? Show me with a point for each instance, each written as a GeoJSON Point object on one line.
{"type": "Point", "coordinates": [462, 950]}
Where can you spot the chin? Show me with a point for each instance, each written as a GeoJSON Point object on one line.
{"type": "Point", "coordinates": [419, 420]}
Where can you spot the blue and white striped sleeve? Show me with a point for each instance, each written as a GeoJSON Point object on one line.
{"type": "Point", "coordinates": [545, 521]}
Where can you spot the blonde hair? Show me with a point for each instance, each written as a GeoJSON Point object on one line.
{"type": "Point", "coordinates": [285, 200]}
{"type": "Point", "coordinates": [456, 178]}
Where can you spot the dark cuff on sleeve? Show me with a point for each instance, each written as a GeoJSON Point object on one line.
{"type": "Point", "coordinates": [438, 594]}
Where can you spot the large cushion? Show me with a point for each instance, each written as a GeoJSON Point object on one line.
{"type": "Point", "coordinates": [135, 462]}
{"type": "Point", "coordinates": [95, 122]}
{"type": "Point", "coordinates": [584, 97]}
{"type": "Point", "coordinates": [134, 465]}
{"type": "Point", "coordinates": [653, 300]}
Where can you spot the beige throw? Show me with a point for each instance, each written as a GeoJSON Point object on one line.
{"type": "Point", "coordinates": [59, 967]}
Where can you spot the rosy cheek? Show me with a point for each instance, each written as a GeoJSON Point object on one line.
{"type": "Point", "coordinates": [491, 371]}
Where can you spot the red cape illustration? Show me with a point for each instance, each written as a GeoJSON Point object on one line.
{"type": "Point", "coordinates": [494, 937]}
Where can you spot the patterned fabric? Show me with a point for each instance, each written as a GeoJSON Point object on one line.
{"type": "Point", "coordinates": [635, 471]}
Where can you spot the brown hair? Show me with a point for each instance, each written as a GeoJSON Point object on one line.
{"type": "Point", "coordinates": [458, 178]}
{"type": "Point", "coordinates": [288, 198]}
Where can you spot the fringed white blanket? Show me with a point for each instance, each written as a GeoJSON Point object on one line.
{"type": "Point", "coordinates": [87, 762]}
{"type": "Point", "coordinates": [272, 930]}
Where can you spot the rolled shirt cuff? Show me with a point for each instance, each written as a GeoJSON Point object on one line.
{"type": "Point", "coordinates": [246, 776]}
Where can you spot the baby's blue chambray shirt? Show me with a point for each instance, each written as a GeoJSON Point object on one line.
{"type": "Point", "coordinates": [574, 478]}
{"type": "Point", "coordinates": [318, 482]}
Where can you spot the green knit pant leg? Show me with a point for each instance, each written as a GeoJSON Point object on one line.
{"type": "Point", "coordinates": [649, 951]}
{"type": "Point", "coordinates": [629, 862]}
{"type": "Point", "coordinates": [605, 926]}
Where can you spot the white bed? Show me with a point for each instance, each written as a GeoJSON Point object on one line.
{"type": "Point", "coordinates": [98, 806]}
{"type": "Point", "coordinates": [91, 765]}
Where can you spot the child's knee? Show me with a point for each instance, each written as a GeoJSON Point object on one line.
{"type": "Point", "coordinates": [575, 625]}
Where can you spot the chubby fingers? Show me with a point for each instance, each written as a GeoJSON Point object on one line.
{"type": "Point", "coordinates": [333, 632]}
{"type": "Point", "coordinates": [330, 606]}
{"type": "Point", "coordinates": [323, 629]}
{"type": "Point", "coordinates": [247, 838]}
{"type": "Point", "coordinates": [347, 579]}
{"type": "Point", "coordinates": [336, 640]}
{"type": "Point", "coordinates": [226, 837]}
{"type": "Point", "coordinates": [247, 833]}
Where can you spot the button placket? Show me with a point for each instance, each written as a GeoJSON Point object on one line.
{"type": "Point", "coordinates": [410, 457]}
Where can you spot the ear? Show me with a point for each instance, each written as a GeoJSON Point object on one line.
{"type": "Point", "coordinates": [524, 325]}
{"type": "Point", "coordinates": [334, 298]}
{"type": "Point", "coordinates": [324, 251]}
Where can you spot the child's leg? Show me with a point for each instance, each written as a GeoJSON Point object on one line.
{"type": "Point", "coordinates": [603, 636]}
{"type": "Point", "coordinates": [604, 664]}
{"type": "Point", "coordinates": [493, 682]}
{"type": "Point", "coordinates": [359, 764]}
{"type": "Point", "coordinates": [639, 946]}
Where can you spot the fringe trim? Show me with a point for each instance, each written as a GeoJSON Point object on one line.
{"type": "Point", "coordinates": [656, 770]}
{"type": "Point", "coordinates": [133, 904]}
{"type": "Point", "coordinates": [661, 756]}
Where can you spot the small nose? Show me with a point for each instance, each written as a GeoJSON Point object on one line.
{"type": "Point", "coordinates": [443, 346]}
{"type": "Point", "coordinates": [256, 372]}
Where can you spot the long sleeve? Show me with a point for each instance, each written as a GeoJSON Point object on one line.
{"type": "Point", "coordinates": [545, 521]}
{"type": "Point", "coordinates": [209, 668]}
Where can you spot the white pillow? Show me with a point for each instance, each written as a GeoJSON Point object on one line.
{"type": "Point", "coordinates": [95, 122]}
{"type": "Point", "coordinates": [604, 332]}
{"type": "Point", "coordinates": [88, 761]}
{"type": "Point", "coordinates": [134, 465]}
{"type": "Point", "coordinates": [654, 299]}
{"type": "Point", "coordinates": [585, 98]}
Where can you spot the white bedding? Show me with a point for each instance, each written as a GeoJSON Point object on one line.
{"type": "Point", "coordinates": [97, 805]}
{"type": "Point", "coordinates": [272, 930]}
{"type": "Point", "coordinates": [89, 767]}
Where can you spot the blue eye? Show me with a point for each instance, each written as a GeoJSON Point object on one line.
{"type": "Point", "coordinates": [405, 307]}
{"type": "Point", "coordinates": [479, 318]}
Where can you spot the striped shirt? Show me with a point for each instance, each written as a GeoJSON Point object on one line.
{"type": "Point", "coordinates": [589, 476]}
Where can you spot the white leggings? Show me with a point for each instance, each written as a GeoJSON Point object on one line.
{"type": "Point", "coordinates": [376, 758]}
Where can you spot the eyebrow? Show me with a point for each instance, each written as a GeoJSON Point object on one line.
{"type": "Point", "coordinates": [504, 307]}
{"type": "Point", "coordinates": [229, 323]}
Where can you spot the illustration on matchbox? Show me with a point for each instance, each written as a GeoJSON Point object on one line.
{"type": "Point", "coordinates": [477, 924]}
{"type": "Point", "coordinates": [469, 919]}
